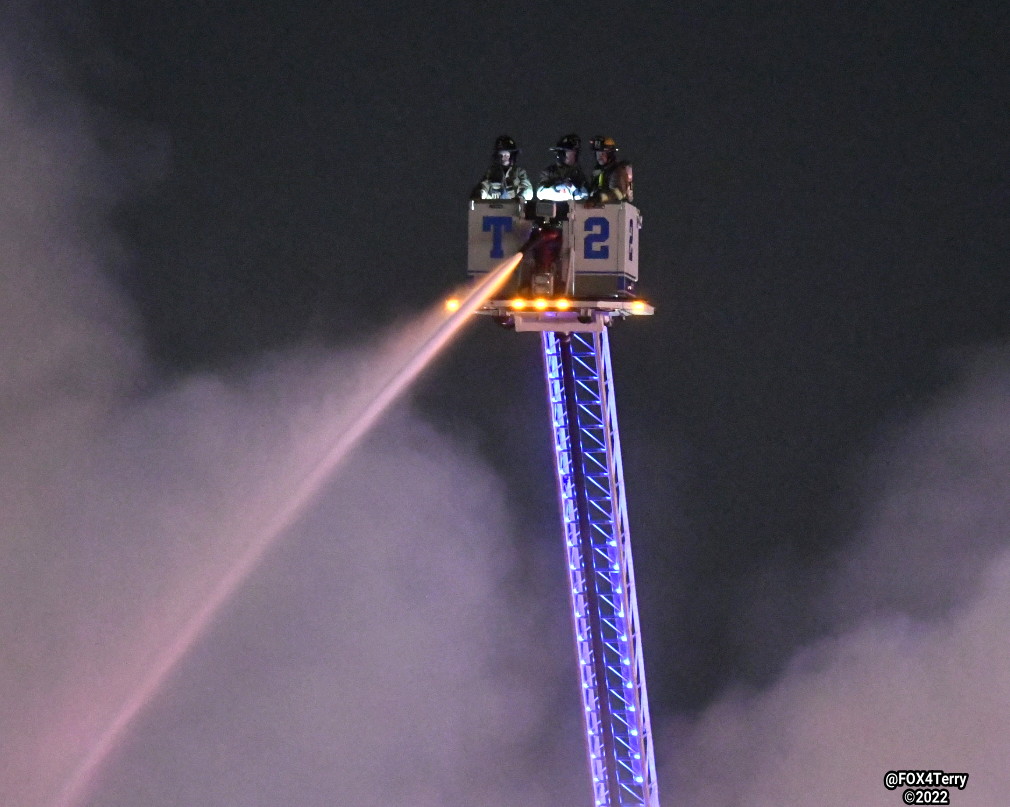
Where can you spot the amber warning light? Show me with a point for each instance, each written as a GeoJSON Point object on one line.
{"type": "Point", "coordinates": [452, 304]}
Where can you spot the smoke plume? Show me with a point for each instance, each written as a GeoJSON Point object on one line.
{"type": "Point", "coordinates": [380, 655]}
{"type": "Point", "coordinates": [916, 674]}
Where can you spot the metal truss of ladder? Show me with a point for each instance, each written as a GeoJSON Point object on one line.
{"type": "Point", "coordinates": [597, 543]}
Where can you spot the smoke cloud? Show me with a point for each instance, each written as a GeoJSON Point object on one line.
{"type": "Point", "coordinates": [389, 650]}
{"type": "Point", "coordinates": [916, 671]}
{"type": "Point", "coordinates": [386, 652]}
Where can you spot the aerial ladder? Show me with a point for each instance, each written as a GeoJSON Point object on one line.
{"type": "Point", "coordinates": [578, 274]}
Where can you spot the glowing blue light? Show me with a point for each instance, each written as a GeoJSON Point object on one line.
{"type": "Point", "coordinates": [599, 594]}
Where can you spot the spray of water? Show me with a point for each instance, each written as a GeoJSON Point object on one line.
{"type": "Point", "coordinates": [434, 334]}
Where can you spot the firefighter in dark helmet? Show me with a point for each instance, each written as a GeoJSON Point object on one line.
{"type": "Point", "coordinates": [612, 179]}
{"type": "Point", "coordinates": [503, 178]}
{"type": "Point", "coordinates": [564, 180]}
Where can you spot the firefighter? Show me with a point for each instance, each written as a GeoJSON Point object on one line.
{"type": "Point", "coordinates": [564, 180]}
{"type": "Point", "coordinates": [503, 178]}
{"type": "Point", "coordinates": [612, 178]}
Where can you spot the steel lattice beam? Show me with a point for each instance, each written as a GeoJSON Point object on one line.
{"type": "Point", "coordinates": [598, 550]}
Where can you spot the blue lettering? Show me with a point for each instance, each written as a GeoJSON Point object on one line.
{"type": "Point", "coordinates": [599, 231]}
{"type": "Point", "coordinates": [497, 226]}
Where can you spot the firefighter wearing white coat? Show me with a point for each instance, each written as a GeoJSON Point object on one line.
{"type": "Point", "coordinates": [503, 178]}
{"type": "Point", "coordinates": [564, 181]}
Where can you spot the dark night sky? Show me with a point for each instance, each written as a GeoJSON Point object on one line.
{"type": "Point", "coordinates": [825, 200]}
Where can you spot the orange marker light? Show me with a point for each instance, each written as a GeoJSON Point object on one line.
{"type": "Point", "coordinates": [638, 306]}
{"type": "Point", "coordinates": [452, 304]}
{"type": "Point", "coordinates": [563, 304]}
{"type": "Point", "coordinates": [519, 303]}
{"type": "Point", "coordinates": [540, 304]}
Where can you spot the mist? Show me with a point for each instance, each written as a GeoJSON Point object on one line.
{"type": "Point", "coordinates": [382, 653]}
{"type": "Point", "coordinates": [396, 646]}
{"type": "Point", "coordinates": [914, 673]}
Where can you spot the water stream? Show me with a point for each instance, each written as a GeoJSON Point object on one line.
{"type": "Point", "coordinates": [385, 388]}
